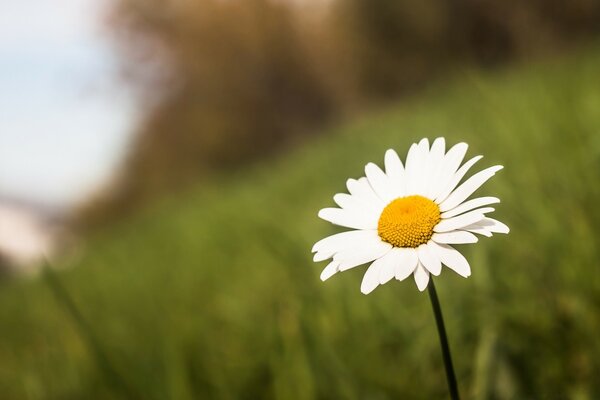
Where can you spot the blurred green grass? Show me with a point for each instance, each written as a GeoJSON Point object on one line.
{"type": "Point", "coordinates": [213, 293]}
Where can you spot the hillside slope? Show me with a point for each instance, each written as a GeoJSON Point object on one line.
{"type": "Point", "coordinates": [213, 294]}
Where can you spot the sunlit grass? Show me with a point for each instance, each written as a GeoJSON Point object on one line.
{"type": "Point", "coordinates": [213, 294]}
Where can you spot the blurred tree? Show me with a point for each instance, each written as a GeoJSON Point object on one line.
{"type": "Point", "coordinates": [225, 82]}
{"type": "Point", "coordinates": [399, 44]}
{"type": "Point", "coordinates": [396, 42]}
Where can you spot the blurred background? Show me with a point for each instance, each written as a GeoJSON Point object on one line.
{"type": "Point", "coordinates": [169, 158]}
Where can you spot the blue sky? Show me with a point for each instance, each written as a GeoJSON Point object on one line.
{"type": "Point", "coordinates": [65, 119]}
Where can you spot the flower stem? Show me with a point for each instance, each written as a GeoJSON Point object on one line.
{"type": "Point", "coordinates": [439, 320]}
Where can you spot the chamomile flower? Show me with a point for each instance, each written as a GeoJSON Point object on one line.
{"type": "Point", "coordinates": [405, 219]}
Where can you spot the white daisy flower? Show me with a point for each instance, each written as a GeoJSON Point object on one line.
{"type": "Point", "coordinates": [404, 220]}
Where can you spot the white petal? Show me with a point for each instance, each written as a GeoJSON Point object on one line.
{"type": "Point", "coordinates": [354, 203]}
{"type": "Point", "coordinates": [486, 226]}
{"type": "Point", "coordinates": [341, 242]}
{"type": "Point", "coordinates": [388, 265]}
{"type": "Point", "coordinates": [419, 182]}
{"type": "Point", "coordinates": [429, 259]}
{"type": "Point", "coordinates": [417, 155]}
{"type": "Point", "coordinates": [450, 224]}
{"type": "Point", "coordinates": [330, 270]}
{"type": "Point", "coordinates": [454, 237]}
{"type": "Point", "coordinates": [424, 143]}
{"type": "Point", "coordinates": [469, 205]}
{"type": "Point", "coordinates": [452, 259]}
{"type": "Point", "coordinates": [379, 182]}
{"type": "Point", "coordinates": [353, 249]}
{"type": "Point", "coordinates": [431, 161]}
{"type": "Point", "coordinates": [353, 186]}
{"type": "Point", "coordinates": [344, 239]}
{"type": "Point", "coordinates": [395, 172]}
{"type": "Point", "coordinates": [347, 218]}
{"type": "Point", "coordinates": [371, 278]}
{"type": "Point", "coordinates": [478, 228]}
{"type": "Point", "coordinates": [421, 277]}
{"type": "Point", "coordinates": [344, 200]}
{"type": "Point", "coordinates": [410, 165]}
{"type": "Point", "coordinates": [407, 262]}
{"type": "Point", "coordinates": [355, 257]}
{"type": "Point", "coordinates": [322, 255]}
{"type": "Point", "coordinates": [454, 181]}
{"type": "Point", "coordinates": [466, 189]}
{"type": "Point", "coordinates": [448, 168]}
{"type": "Point", "coordinates": [436, 159]}
{"type": "Point", "coordinates": [495, 226]}
{"type": "Point", "coordinates": [479, 231]}
{"type": "Point", "coordinates": [363, 191]}
{"type": "Point", "coordinates": [438, 148]}
{"type": "Point", "coordinates": [393, 164]}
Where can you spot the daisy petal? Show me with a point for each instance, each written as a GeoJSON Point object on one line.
{"type": "Point", "coordinates": [322, 255]}
{"type": "Point", "coordinates": [330, 270]}
{"type": "Point", "coordinates": [362, 190]}
{"type": "Point", "coordinates": [353, 203]}
{"type": "Point", "coordinates": [452, 259]}
{"type": "Point", "coordinates": [420, 175]}
{"type": "Point", "coordinates": [353, 186]}
{"type": "Point", "coordinates": [354, 258]}
{"type": "Point", "coordinates": [450, 224]}
{"type": "Point", "coordinates": [347, 218]}
{"type": "Point", "coordinates": [421, 277]}
{"type": "Point", "coordinates": [429, 259]}
{"type": "Point", "coordinates": [466, 189]}
{"type": "Point", "coordinates": [454, 181]}
{"type": "Point", "coordinates": [469, 205]}
{"type": "Point", "coordinates": [395, 172]}
{"type": "Point", "coordinates": [454, 237]}
{"type": "Point", "coordinates": [495, 226]}
{"type": "Point", "coordinates": [343, 243]}
{"type": "Point", "coordinates": [438, 148]}
{"type": "Point", "coordinates": [344, 200]}
{"type": "Point", "coordinates": [393, 164]}
{"type": "Point", "coordinates": [387, 268]}
{"type": "Point", "coordinates": [406, 263]}
{"type": "Point", "coordinates": [436, 159]}
{"type": "Point", "coordinates": [431, 168]}
{"type": "Point", "coordinates": [417, 154]}
{"type": "Point", "coordinates": [448, 168]}
{"type": "Point", "coordinates": [479, 231]}
{"type": "Point", "coordinates": [430, 164]}
{"type": "Point", "coordinates": [379, 182]}
{"type": "Point", "coordinates": [371, 278]}
{"type": "Point", "coordinates": [482, 210]}
{"type": "Point", "coordinates": [410, 166]}
{"type": "Point", "coordinates": [347, 201]}
{"type": "Point", "coordinates": [344, 239]}
{"type": "Point", "coordinates": [486, 226]}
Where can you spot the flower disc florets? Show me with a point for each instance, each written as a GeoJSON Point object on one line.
{"type": "Point", "coordinates": [408, 221]}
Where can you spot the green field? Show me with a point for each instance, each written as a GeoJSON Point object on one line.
{"type": "Point", "coordinates": [213, 293]}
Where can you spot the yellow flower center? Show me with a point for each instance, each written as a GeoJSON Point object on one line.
{"type": "Point", "coordinates": [408, 221]}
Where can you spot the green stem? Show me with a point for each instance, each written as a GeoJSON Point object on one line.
{"type": "Point", "coordinates": [439, 320]}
